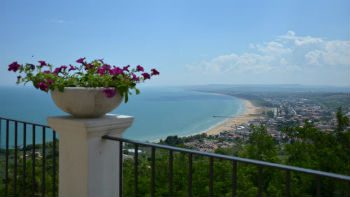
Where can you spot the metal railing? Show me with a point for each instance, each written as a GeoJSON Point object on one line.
{"type": "Point", "coordinates": [29, 152]}
{"type": "Point", "coordinates": [260, 164]}
{"type": "Point", "coordinates": [22, 165]}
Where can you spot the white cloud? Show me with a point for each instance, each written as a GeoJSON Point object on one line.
{"type": "Point", "coordinates": [312, 57]}
{"type": "Point", "coordinates": [331, 53]}
{"type": "Point", "coordinates": [234, 63]}
{"type": "Point", "coordinates": [286, 54]}
{"type": "Point", "coordinates": [336, 53]}
{"type": "Point", "coordinates": [60, 21]}
{"type": "Point", "coordinates": [278, 54]}
{"type": "Point", "coordinates": [283, 61]}
{"type": "Point", "coordinates": [273, 47]}
{"type": "Point", "coordinates": [293, 68]}
{"type": "Point", "coordinates": [299, 41]}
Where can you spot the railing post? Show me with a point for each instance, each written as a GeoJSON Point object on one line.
{"type": "Point", "coordinates": [89, 165]}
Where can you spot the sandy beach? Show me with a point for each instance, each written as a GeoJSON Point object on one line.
{"type": "Point", "coordinates": [252, 112]}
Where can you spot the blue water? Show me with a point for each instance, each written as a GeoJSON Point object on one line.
{"type": "Point", "coordinates": [158, 112]}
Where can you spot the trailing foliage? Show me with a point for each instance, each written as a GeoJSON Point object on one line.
{"type": "Point", "coordinates": [93, 74]}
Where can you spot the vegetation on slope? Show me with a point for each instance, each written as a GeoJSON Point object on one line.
{"type": "Point", "coordinates": [305, 147]}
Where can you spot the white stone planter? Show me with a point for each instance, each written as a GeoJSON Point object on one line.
{"type": "Point", "coordinates": [85, 102]}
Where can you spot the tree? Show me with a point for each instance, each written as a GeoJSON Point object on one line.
{"type": "Point", "coordinates": [261, 147]}
{"type": "Point", "coordinates": [342, 121]}
{"type": "Point", "coordinates": [173, 140]}
{"type": "Point", "coordinates": [315, 149]}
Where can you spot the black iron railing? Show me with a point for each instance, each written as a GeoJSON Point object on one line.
{"type": "Point", "coordinates": [29, 151]}
{"type": "Point", "coordinates": [28, 159]}
{"type": "Point", "coordinates": [260, 164]}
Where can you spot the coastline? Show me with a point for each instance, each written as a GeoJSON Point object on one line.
{"type": "Point", "coordinates": [251, 112]}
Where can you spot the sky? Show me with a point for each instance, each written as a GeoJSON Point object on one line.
{"type": "Point", "coordinates": [191, 42]}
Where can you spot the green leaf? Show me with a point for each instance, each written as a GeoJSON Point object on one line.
{"type": "Point", "coordinates": [61, 88]}
{"type": "Point", "coordinates": [126, 98]}
{"type": "Point", "coordinates": [137, 91]}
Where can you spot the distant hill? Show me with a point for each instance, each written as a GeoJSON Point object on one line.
{"type": "Point", "coordinates": [269, 88]}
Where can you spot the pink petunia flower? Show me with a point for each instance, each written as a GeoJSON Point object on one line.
{"type": "Point", "coordinates": [89, 66]}
{"type": "Point", "coordinates": [154, 72]}
{"type": "Point", "coordinates": [43, 86]}
{"type": "Point", "coordinates": [64, 67]}
{"type": "Point", "coordinates": [126, 68]}
{"type": "Point", "coordinates": [109, 92]}
{"type": "Point", "coordinates": [135, 78]}
{"type": "Point", "coordinates": [101, 71]}
{"type": "Point", "coordinates": [71, 67]}
{"type": "Point", "coordinates": [31, 66]}
{"type": "Point", "coordinates": [42, 63]}
{"type": "Point", "coordinates": [14, 67]}
{"type": "Point", "coordinates": [106, 67]}
{"type": "Point", "coordinates": [116, 71]}
{"type": "Point", "coordinates": [57, 70]}
{"type": "Point", "coordinates": [50, 81]}
{"type": "Point", "coordinates": [81, 60]}
{"type": "Point", "coordinates": [146, 76]}
{"type": "Point", "coordinates": [139, 68]}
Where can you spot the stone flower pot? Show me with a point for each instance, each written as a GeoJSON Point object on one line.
{"type": "Point", "coordinates": [84, 102]}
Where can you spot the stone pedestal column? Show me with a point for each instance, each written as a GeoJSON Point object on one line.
{"type": "Point", "coordinates": [89, 165]}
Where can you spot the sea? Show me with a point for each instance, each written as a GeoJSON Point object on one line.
{"type": "Point", "coordinates": [158, 111]}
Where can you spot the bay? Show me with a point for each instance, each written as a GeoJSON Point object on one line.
{"type": "Point", "coordinates": [159, 111]}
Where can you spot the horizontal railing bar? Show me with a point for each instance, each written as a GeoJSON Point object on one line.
{"type": "Point", "coordinates": [24, 122]}
{"type": "Point", "coordinates": [232, 158]}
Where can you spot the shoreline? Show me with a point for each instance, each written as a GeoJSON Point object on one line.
{"type": "Point", "coordinates": [251, 112]}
